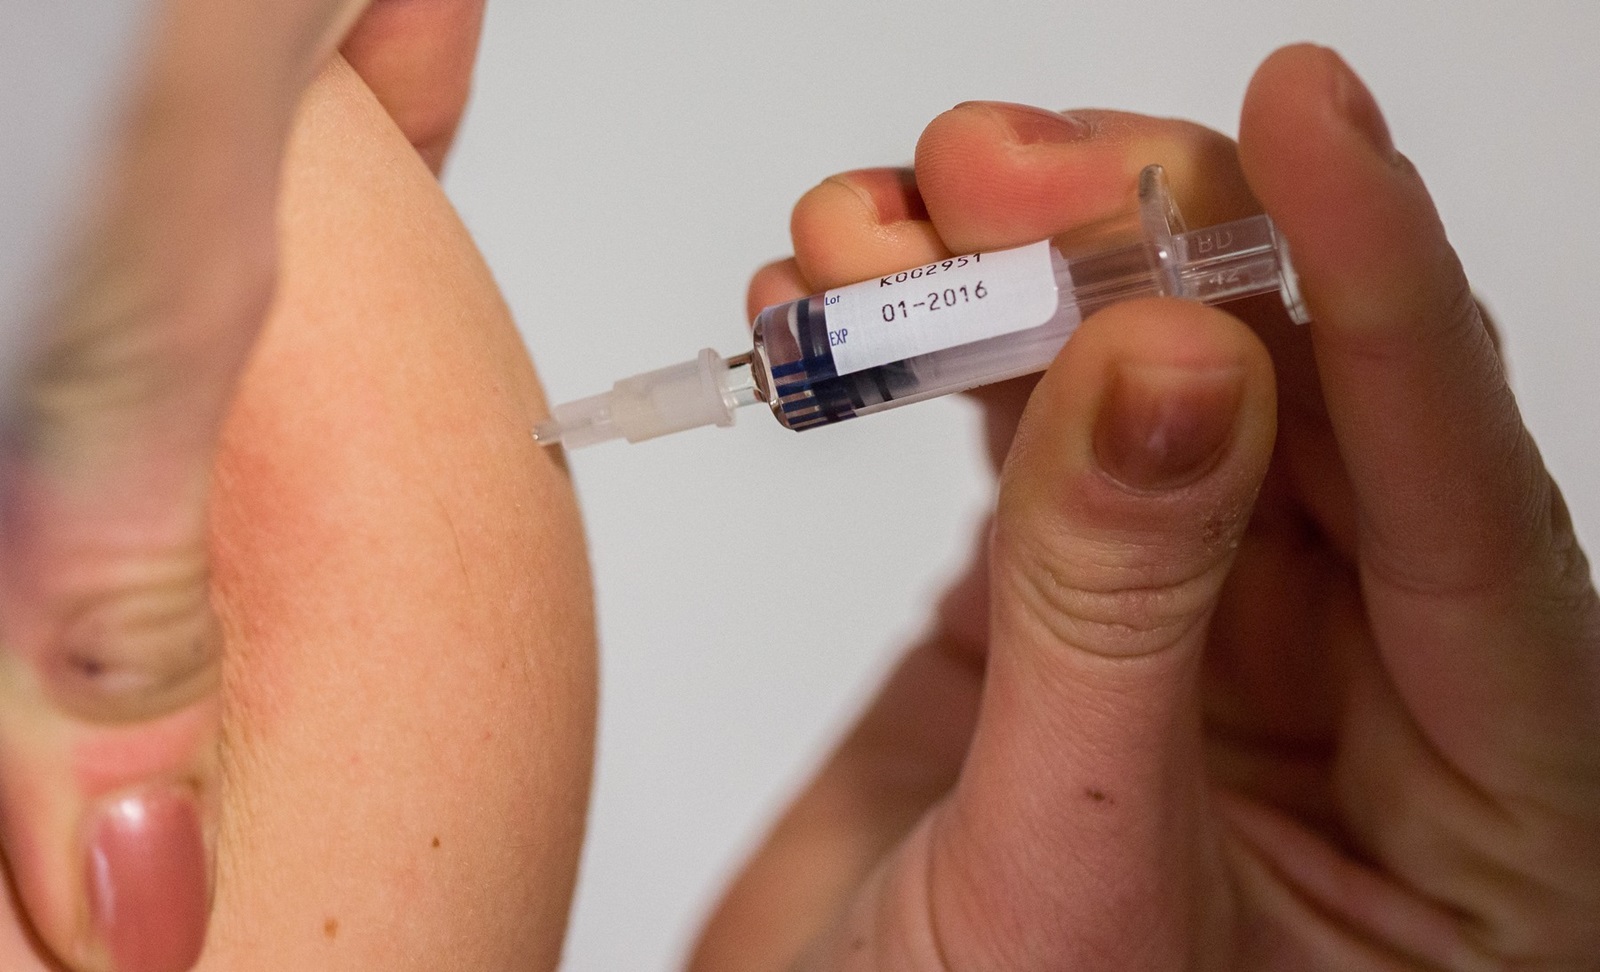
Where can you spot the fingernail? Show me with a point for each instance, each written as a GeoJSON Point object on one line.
{"type": "Point", "coordinates": [1028, 125]}
{"type": "Point", "coordinates": [148, 895]}
{"type": "Point", "coordinates": [1360, 110]}
{"type": "Point", "coordinates": [1163, 427]}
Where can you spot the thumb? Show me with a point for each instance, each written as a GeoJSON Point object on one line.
{"type": "Point", "coordinates": [110, 653]}
{"type": "Point", "coordinates": [1075, 838]}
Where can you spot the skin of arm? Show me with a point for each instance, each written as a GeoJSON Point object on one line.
{"type": "Point", "coordinates": [408, 703]}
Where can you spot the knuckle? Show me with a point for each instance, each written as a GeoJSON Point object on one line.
{"type": "Point", "coordinates": [131, 649]}
{"type": "Point", "coordinates": [1112, 599]}
{"type": "Point", "coordinates": [135, 654]}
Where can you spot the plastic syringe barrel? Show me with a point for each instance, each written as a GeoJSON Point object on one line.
{"type": "Point", "coordinates": [1213, 265]}
{"type": "Point", "coordinates": [792, 367]}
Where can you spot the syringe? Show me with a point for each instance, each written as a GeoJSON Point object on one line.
{"type": "Point", "coordinates": [940, 328]}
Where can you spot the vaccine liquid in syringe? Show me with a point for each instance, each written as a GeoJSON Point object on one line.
{"type": "Point", "coordinates": [943, 327]}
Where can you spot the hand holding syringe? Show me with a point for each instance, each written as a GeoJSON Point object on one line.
{"type": "Point", "coordinates": [1273, 628]}
{"type": "Point", "coordinates": [940, 328]}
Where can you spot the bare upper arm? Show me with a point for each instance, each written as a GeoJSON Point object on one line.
{"type": "Point", "coordinates": [409, 677]}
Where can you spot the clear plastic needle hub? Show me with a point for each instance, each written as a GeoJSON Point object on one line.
{"type": "Point", "coordinates": [704, 391]}
{"type": "Point", "coordinates": [943, 327]}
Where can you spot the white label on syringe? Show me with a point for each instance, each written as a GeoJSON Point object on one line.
{"type": "Point", "coordinates": [940, 305]}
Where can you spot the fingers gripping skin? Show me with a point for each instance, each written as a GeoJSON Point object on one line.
{"type": "Point", "coordinates": [108, 719]}
{"type": "Point", "coordinates": [400, 603]}
{"type": "Point", "coordinates": [109, 668]}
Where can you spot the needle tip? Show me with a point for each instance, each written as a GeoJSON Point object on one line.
{"type": "Point", "coordinates": [547, 433]}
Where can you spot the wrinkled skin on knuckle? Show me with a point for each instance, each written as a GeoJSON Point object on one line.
{"type": "Point", "coordinates": [135, 653]}
{"type": "Point", "coordinates": [140, 642]}
{"type": "Point", "coordinates": [1104, 598]}
{"type": "Point", "coordinates": [105, 450]}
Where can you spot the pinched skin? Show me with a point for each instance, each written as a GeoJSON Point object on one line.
{"type": "Point", "coordinates": [408, 675]}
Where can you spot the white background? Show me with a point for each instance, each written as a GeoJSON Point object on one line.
{"type": "Point", "coordinates": [627, 165]}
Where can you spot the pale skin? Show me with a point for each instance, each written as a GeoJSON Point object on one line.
{"type": "Point", "coordinates": [423, 744]}
{"type": "Point", "coordinates": [398, 714]}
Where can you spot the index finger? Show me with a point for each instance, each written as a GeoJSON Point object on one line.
{"type": "Point", "coordinates": [994, 174]}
